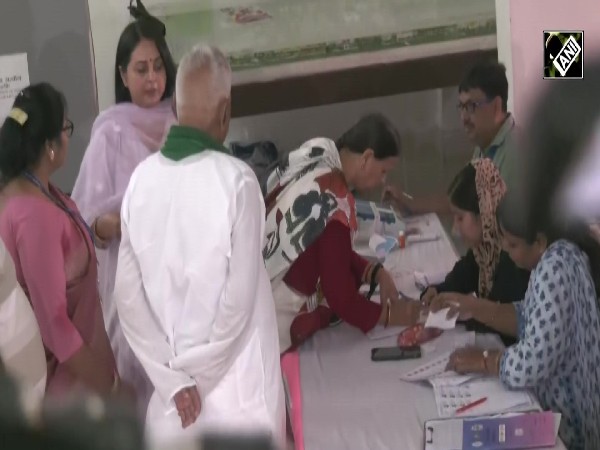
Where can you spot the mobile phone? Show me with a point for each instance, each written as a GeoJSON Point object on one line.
{"type": "Point", "coordinates": [395, 353]}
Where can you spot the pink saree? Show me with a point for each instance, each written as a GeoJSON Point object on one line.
{"type": "Point", "coordinates": [55, 264]}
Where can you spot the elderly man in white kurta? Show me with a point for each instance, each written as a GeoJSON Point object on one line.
{"type": "Point", "coordinates": [192, 292]}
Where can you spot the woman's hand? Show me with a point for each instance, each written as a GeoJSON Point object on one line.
{"type": "Point", "coordinates": [397, 198]}
{"type": "Point", "coordinates": [467, 360]}
{"type": "Point", "coordinates": [404, 313]}
{"type": "Point", "coordinates": [387, 287]}
{"type": "Point", "coordinates": [429, 295]}
{"type": "Point", "coordinates": [464, 306]}
{"type": "Point", "coordinates": [108, 227]}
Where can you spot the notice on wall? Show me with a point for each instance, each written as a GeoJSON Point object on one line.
{"type": "Point", "coordinates": [14, 76]}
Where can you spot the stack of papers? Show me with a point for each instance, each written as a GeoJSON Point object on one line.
{"type": "Point", "coordinates": [450, 397]}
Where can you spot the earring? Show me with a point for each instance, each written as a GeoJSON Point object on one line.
{"type": "Point", "coordinates": [51, 155]}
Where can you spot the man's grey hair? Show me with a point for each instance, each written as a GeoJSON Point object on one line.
{"type": "Point", "coordinates": [210, 60]}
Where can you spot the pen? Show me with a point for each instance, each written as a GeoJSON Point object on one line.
{"type": "Point", "coordinates": [462, 409]}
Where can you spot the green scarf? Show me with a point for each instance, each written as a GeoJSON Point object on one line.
{"type": "Point", "coordinates": [186, 141]}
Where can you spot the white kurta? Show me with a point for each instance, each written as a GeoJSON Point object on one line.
{"type": "Point", "coordinates": [21, 347]}
{"type": "Point", "coordinates": [193, 295]}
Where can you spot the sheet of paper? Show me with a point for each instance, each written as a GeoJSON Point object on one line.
{"type": "Point", "coordinates": [440, 320]}
{"type": "Point", "coordinates": [382, 245]}
{"type": "Point", "coordinates": [14, 76]}
{"type": "Point", "coordinates": [449, 398]}
{"type": "Point", "coordinates": [430, 369]}
{"type": "Point", "coordinates": [416, 238]}
{"type": "Point", "coordinates": [450, 378]}
{"type": "Point", "coordinates": [437, 353]}
{"type": "Point", "coordinates": [425, 279]}
{"type": "Point", "coordinates": [449, 341]}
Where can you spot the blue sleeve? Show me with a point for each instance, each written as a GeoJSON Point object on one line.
{"type": "Point", "coordinates": [543, 330]}
{"type": "Point", "coordinates": [519, 309]}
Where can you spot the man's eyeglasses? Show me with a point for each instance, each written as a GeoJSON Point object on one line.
{"type": "Point", "coordinates": [470, 107]}
{"type": "Point", "coordinates": [69, 128]}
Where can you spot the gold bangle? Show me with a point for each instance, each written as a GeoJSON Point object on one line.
{"type": "Point", "coordinates": [389, 313]}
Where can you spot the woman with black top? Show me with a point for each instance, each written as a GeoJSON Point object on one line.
{"type": "Point", "coordinates": [486, 271]}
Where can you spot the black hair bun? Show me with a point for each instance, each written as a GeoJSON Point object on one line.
{"type": "Point", "coordinates": [139, 11]}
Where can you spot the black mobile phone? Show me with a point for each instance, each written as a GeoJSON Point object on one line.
{"type": "Point", "coordinates": [395, 353]}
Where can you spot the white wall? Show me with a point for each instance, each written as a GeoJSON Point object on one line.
{"type": "Point", "coordinates": [434, 145]}
{"type": "Point", "coordinates": [108, 18]}
{"type": "Point", "coordinates": [433, 141]}
{"type": "Point", "coordinates": [503, 36]}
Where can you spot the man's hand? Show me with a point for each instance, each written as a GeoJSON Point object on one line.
{"type": "Point", "coordinates": [188, 405]}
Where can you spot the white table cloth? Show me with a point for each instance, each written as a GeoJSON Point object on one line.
{"type": "Point", "coordinates": [352, 403]}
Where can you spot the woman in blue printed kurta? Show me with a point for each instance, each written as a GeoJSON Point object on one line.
{"type": "Point", "coordinates": [558, 327]}
{"type": "Point", "coordinates": [558, 353]}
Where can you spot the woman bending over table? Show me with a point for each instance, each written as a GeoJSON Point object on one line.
{"type": "Point", "coordinates": [485, 270]}
{"type": "Point", "coordinates": [558, 326]}
{"type": "Point", "coordinates": [311, 221]}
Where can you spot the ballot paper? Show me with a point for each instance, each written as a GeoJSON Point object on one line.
{"type": "Point", "coordinates": [436, 356]}
{"type": "Point", "coordinates": [449, 398]}
{"type": "Point", "coordinates": [440, 320]}
{"type": "Point", "coordinates": [425, 279]}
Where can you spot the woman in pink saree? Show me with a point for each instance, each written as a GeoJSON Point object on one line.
{"type": "Point", "coordinates": [51, 247]}
{"type": "Point", "coordinates": [123, 136]}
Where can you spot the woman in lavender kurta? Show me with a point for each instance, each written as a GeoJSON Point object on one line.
{"type": "Point", "coordinates": [51, 245]}
{"type": "Point", "coordinates": [123, 136]}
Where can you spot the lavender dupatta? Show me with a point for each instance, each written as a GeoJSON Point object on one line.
{"type": "Point", "coordinates": [122, 137]}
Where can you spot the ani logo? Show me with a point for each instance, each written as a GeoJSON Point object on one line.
{"type": "Point", "coordinates": [563, 54]}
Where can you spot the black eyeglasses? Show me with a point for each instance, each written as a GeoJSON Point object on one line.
{"type": "Point", "coordinates": [470, 107]}
{"type": "Point", "coordinates": [69, 128]}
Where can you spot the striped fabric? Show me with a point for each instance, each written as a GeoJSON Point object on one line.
{"type": "Point", "coordinates": [21, 345]}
